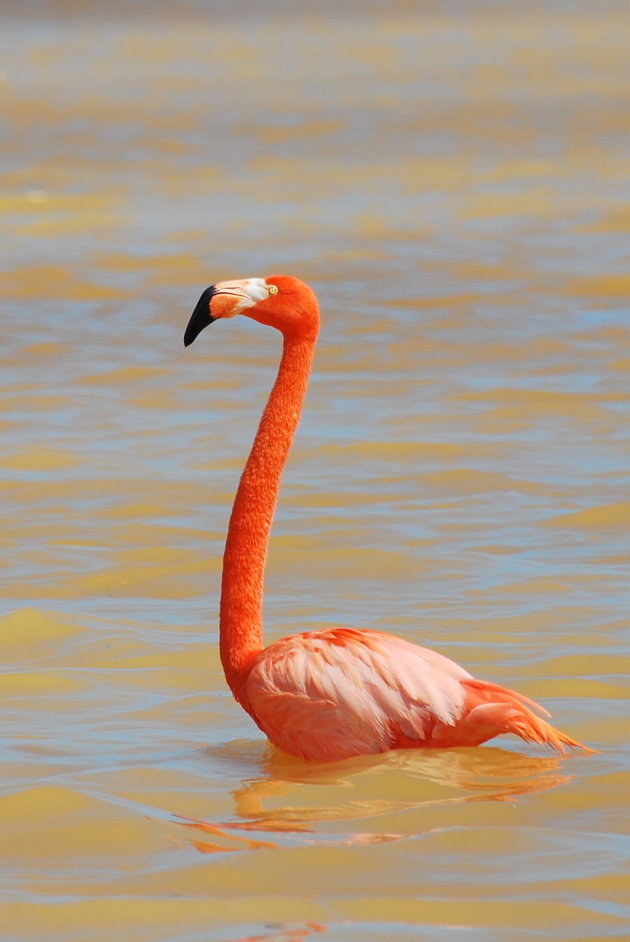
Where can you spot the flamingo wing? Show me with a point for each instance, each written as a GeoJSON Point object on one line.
{"type": "Point", "coordinates": [342, 692]}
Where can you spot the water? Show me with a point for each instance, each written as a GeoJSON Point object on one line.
{"type": "Point", "coordinates": [453, 181]}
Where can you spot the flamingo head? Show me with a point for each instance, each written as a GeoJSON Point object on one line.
{"type": "Point", "coordinates": [280, 301]}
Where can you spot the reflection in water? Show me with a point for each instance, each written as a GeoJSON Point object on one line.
{"type": "Point", "coordinates": [283, 934]}
{"type": "Point", "coordinates": [483, 774]}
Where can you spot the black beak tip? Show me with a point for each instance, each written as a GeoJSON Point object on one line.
{"type": "Point", "coordinates": [201, 316]}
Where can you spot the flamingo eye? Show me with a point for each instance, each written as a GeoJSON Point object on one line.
{"type": "Point", "coordinates": [272, 289]}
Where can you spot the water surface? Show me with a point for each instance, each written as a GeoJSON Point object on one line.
{"type": "Point", "coordinates": [453, 181]}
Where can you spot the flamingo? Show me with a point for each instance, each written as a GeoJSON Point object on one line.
{"type": "Point", "coordinates": [339, 692]}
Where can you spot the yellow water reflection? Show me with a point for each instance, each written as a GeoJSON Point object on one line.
{"type": "Point", "coordinates": [412, 780]}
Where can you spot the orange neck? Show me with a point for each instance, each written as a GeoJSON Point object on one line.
{"type": "Point", "coordinates": [241, 635]}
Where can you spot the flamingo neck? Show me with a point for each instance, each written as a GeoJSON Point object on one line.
{"type": "Point", "coordinates": [240, 618]}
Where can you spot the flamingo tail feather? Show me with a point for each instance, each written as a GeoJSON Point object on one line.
{"type": "Point", "coordinates": [494, 709]}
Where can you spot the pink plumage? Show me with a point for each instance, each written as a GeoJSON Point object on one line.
{"type": "Point", "coordinates": [343, 692]}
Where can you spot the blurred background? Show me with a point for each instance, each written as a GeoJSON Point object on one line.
{"type": "Point", "coordinates": [452, 179]}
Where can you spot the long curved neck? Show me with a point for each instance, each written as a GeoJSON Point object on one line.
{"type": "Point", "coordinates": [240, 620]}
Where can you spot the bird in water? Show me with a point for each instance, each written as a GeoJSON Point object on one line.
{"type": "Point", "coordinates": [338, 692]}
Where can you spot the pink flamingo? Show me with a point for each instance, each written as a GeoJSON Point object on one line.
{"type": "Point", "coordinates": [339, 692]}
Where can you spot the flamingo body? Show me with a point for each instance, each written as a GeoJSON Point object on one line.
{"type": "Point", "coordinates": [343, 692]}
{"type": "Point", "coordinates": [340, 692]}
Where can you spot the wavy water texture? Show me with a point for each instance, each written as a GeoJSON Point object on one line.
{"type": "Point", "coordinates": [453, 181]}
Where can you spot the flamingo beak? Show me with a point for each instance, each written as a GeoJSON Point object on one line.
{"type": "Point", "coordinates": [201, 316]}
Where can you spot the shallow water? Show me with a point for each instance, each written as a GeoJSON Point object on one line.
{"type": "Point", "coordinates": [453, 181]}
